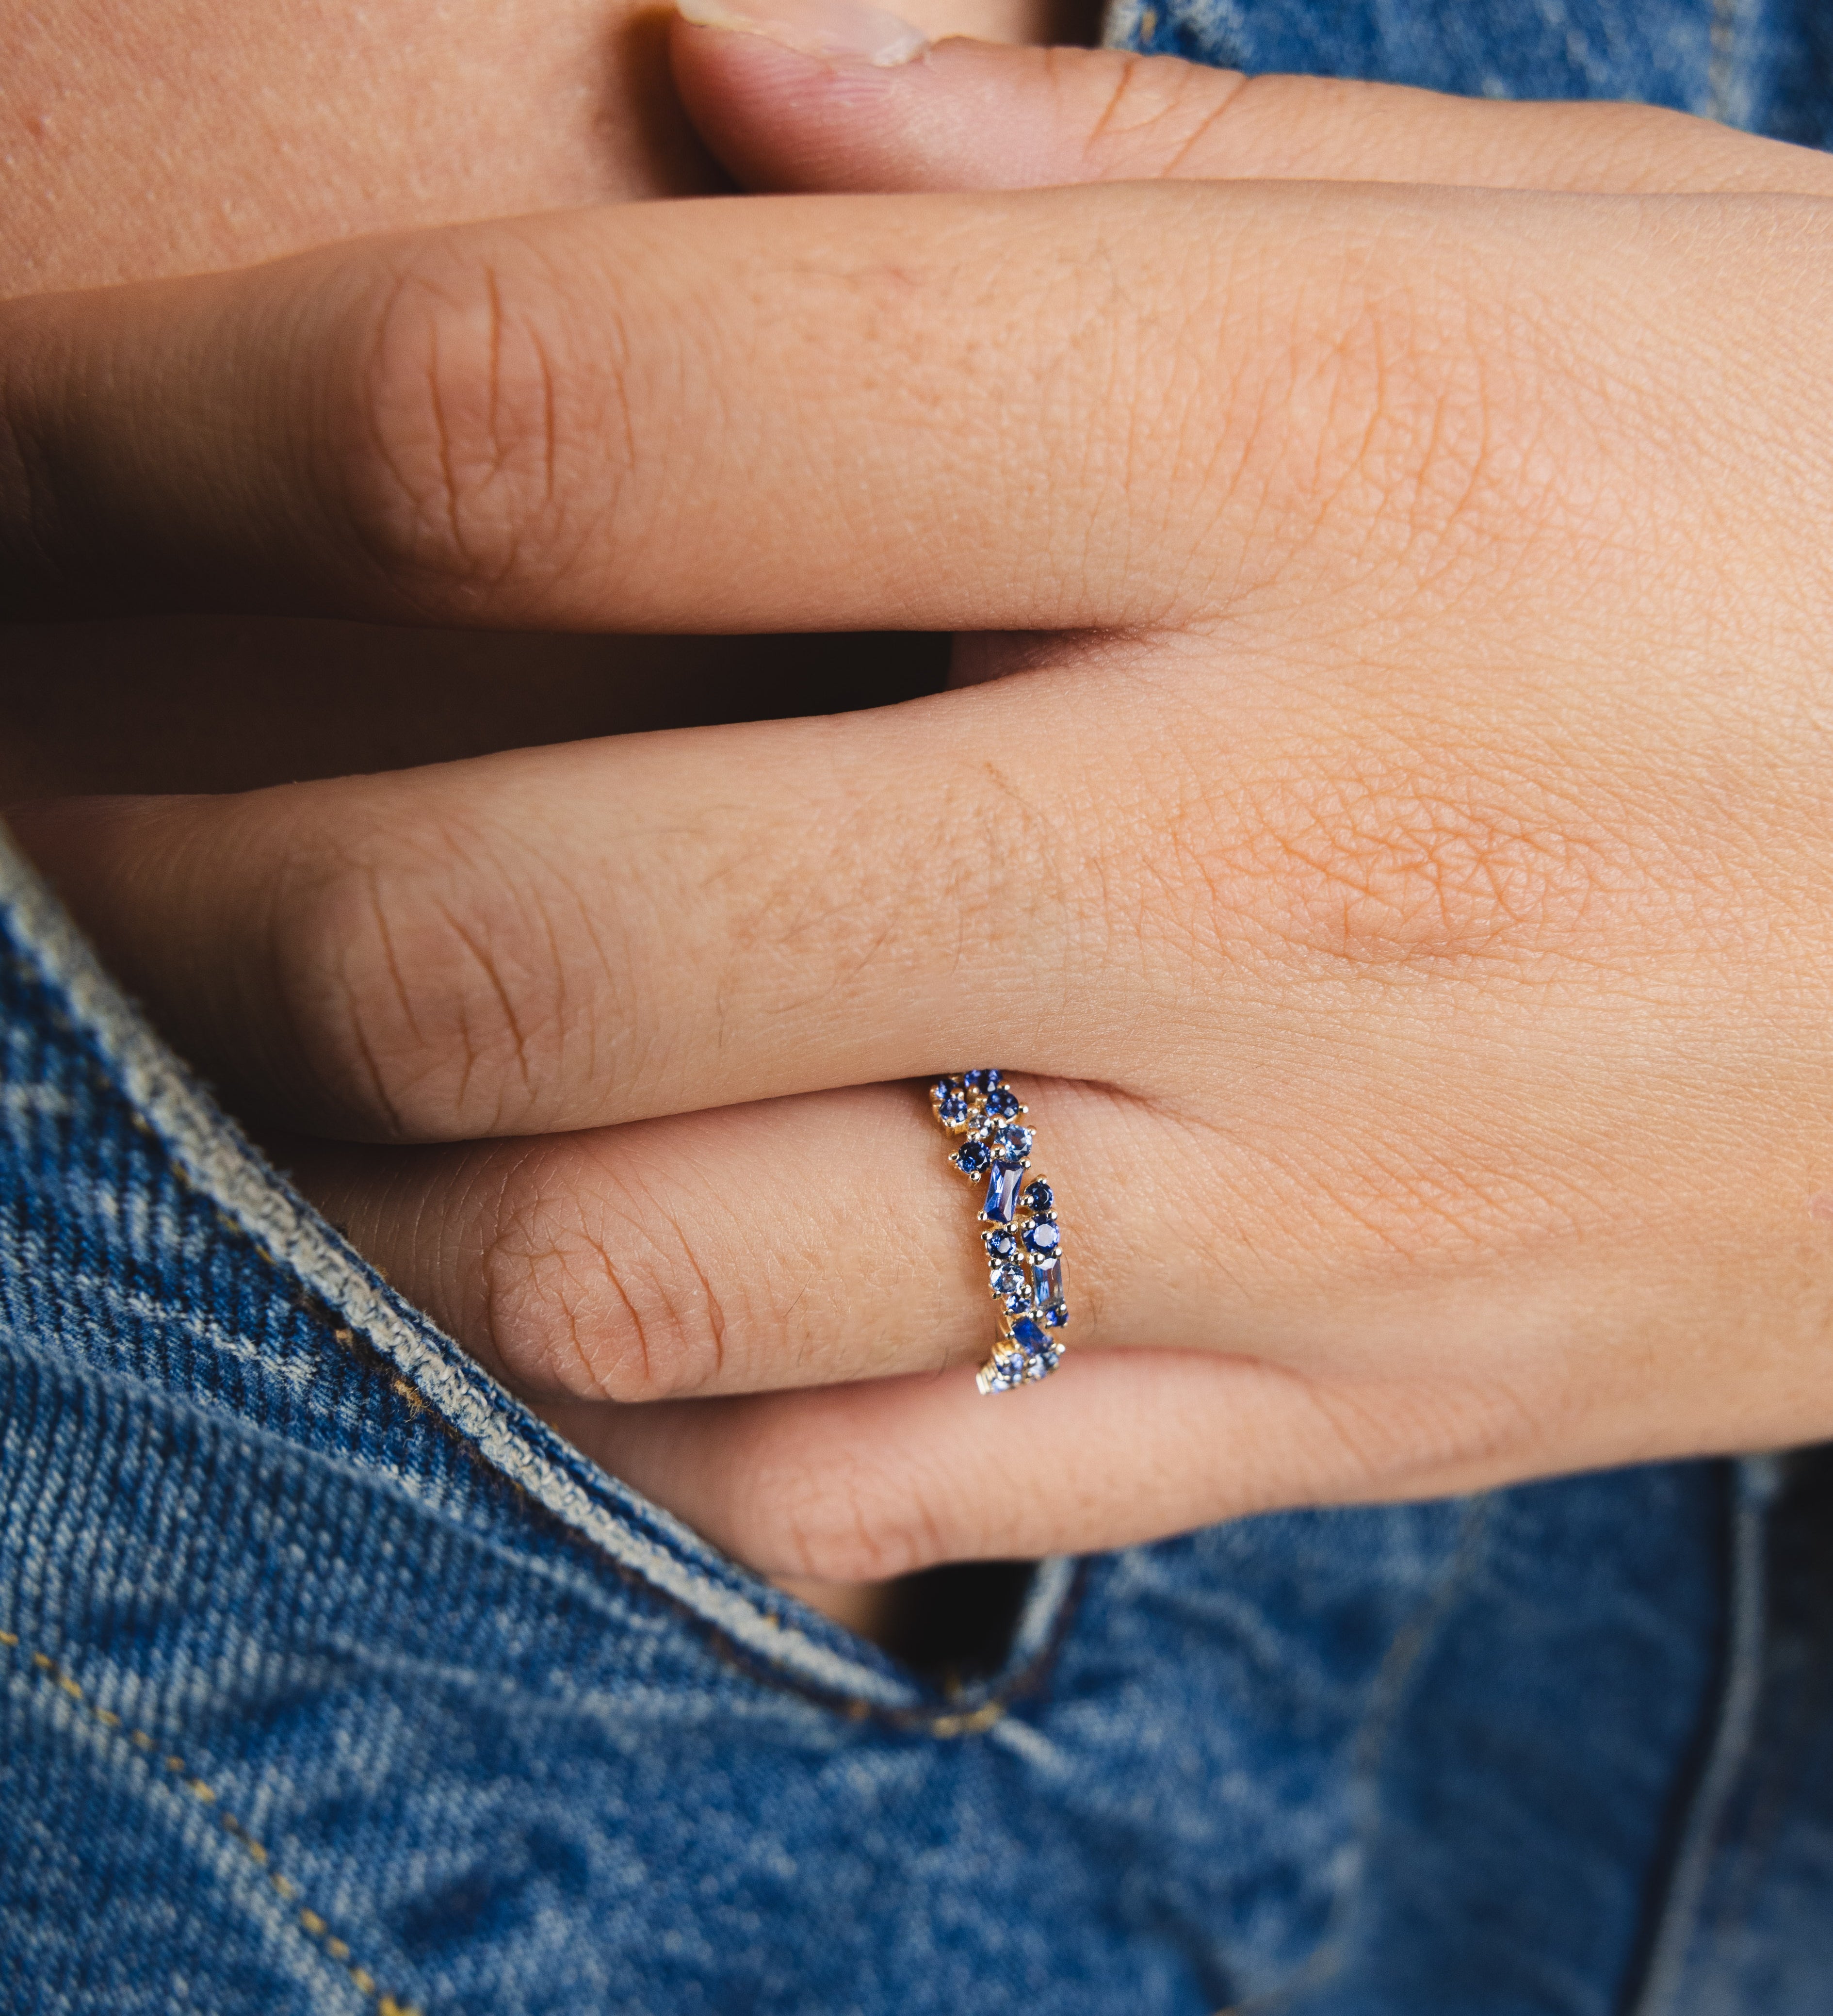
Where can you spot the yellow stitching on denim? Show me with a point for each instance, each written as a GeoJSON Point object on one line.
{"type": "Point", "coordinates": [968, 1725]}
{"type": "Point", "coordinates": [309, 1922]}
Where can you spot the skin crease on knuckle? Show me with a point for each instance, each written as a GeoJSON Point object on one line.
{"type": "Point", "coordinates": [454, 437]}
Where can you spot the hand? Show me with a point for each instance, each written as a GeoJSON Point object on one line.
{"type": "Point", "coordinates": [1397, 869]}
{"type": "Point", "coordinates": [176, 137]}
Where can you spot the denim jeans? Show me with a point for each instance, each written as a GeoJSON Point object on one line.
{"type": "Point", "coordinates": [332, 1682]}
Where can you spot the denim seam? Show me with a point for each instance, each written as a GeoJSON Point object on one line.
{"type": "Point", "coordinates": [1656, 1990]}
{"type": "Point", "coordinates": [1406, 1650]}
{"type": "Point", "coordinates": [204, 1150]}
{"type": "Point", "coordinates": [147, 1749]}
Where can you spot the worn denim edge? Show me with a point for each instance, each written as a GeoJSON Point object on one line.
{"type": "Point", "coordinates": [213, 1155]}
{"type": "Point", "coordinates": [1661, 1991]}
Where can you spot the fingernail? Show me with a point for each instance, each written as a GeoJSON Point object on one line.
{"type": "Point", "coordinates": [845, 29]}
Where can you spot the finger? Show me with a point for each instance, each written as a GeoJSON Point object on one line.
{"type": "Point", "coordinates": [604, 932]}
{"type": "Point", "coordinates": [813, 97]}
{"type": "Point", "coordinates": [929, 412]}
{"type": "Point", "coordinates": [801, 1242]}
{"type": "Point", "coordinates": [712, 416]}
{"type": "Point", "coordinates": [858, 1483]}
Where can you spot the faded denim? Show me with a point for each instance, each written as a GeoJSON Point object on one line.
{"type": "Point", "coordinates": [331, 1682]}
{"type": "Point", "coordinates": [1765, 65]}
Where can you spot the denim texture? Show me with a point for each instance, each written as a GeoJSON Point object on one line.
{"type": "Point", "coordinates": [331, 1681]}
{"type": "Point", "coordinates": [1765, 65]}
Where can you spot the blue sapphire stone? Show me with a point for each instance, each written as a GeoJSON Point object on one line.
{"type": "Point", "coordinates": [1004, 1104]}
{"type": "Point", "coordinates": [1028, 1334]}
{"type": "Point", "coordinates": [971, 1158]}
{"type": "Point", "coordinates": [951, 1105]}
{"type": "Point", "coordinates": [1008, 1281]}
{"type": "Point", "coordinates": [1056, 1316]}
{"type": "Point", "coordinates": [999, 1245]}
{"type": "Point", "coordinates": [1039, 1196]}
{"type": "Point", "coordinates": [1042, 1237]}
{"type": "Point", "coordinates": [1001, 1194]}
{"type": "Point", "coordinates": [983, 1080]}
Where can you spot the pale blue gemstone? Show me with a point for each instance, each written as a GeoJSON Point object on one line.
{"type": "Point", "coordinates": [1046, 1283]}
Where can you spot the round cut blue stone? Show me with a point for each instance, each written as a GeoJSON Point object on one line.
{"type": "Point", "coordinates": [1002, 1104]}
{"type": "Point", "coordinates": [999, 1245]}
{"type": "Point", "coordinates": [1043, 1236]}
{"type": "Point", "coordinates": [971, 1158]}
{"type": "Point", "coordinates": [1056, 1316]}
{"type": "Point", "coordinates": [951, 1107]}
{"type": "Point", "coordinates": [981, 1081]}
{"type": "Point", "coordinates": [1039, 1196]}
{"type": "Point", "coordinates": [1008, 1280]}
{"type": "Point", "coordinates": [1011, 1144]}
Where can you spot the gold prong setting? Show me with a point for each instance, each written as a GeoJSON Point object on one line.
{"type": "Point", "coordinates": [1021, 1239]}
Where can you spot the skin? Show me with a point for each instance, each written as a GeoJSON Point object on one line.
{"type": "Point", "coordinates": [1377, 814]}
{"type": "Point", "coordinates": [185, 136]}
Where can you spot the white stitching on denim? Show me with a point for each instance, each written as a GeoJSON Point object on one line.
{"type": "Point", "coordinates": [208, 1152]}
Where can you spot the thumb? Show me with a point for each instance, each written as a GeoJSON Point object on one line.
{"type": "Point", "coordinates": [831, 95]}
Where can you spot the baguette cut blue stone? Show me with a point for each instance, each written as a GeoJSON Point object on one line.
{"type": "Point", "coordinates": [1001, 1194]}
{"type": "Point", "coordinates": [1046, 1281]}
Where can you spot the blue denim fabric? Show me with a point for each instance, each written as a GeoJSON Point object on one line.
{"type": "Point", "coordinates": [330, 1681]}
{"type": "Point", "coordinates": [1765, 65]}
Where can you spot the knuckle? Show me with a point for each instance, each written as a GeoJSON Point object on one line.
{"type": "Point", "coordinates": [1423, 416]}
{"type": "Point", "coordinates": [834, 1514]}
{"type": "Point", "coordinates": [1376, 854]}
{"type": "Point", "coordinates": [593, 1291]}
{"type": "Point", "coordinates": [1381, 868]}
{"type": "Point", "coordinates": [449, 405]}
{"type": "Point", "coordinates": [414, 980]}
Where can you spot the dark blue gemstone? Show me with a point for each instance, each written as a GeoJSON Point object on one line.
{"type": "Point", "coordinates": [999, 1245]}
{"type": "Point", "coordinates": [1004, 1104]}
{"type": "Point", "coordinates": [1011, 1144]}
{"type": "Point", "coordinates": [1042, 1236]}
{"type": "Point", "coordinates": [1056, 1316]}
{"type": "Point", "coordinates": [1002, 1195]}
{"type": "Point", "coordinates": [1008, 1281]}
{"type": "Point", "coordinates": [1029, 1335]}
{"type": "Point", "coordinates": [971, 1158]}
{"type": "Point", "coordinates": [952, 1107]}
{"type": "Point", "coordinates": [980, 1081]}
{"type": "Point", "coordinates": [1039, 1196]}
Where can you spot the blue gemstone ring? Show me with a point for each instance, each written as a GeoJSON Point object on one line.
{"type": "Point", "coordinates": [1022, 1240]}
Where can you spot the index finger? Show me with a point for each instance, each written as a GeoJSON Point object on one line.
{"type": "Point", "coordinates": [917, 412]}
